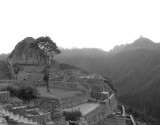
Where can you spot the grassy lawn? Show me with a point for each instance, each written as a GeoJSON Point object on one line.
{"type": "Point", "coordinates": [56, 92]}
{"type": "Point", "coordinates": [84, 108]}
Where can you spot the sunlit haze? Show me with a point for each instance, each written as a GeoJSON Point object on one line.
{"type": "Point", "coordinates": [83, 23]}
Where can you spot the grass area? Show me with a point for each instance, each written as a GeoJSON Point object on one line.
{"type": "Point", "coordinates": [56, 92]}
{"type": "Point", "coordinates": [84, 108]}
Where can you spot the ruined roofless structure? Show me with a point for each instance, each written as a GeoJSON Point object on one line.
{"type": "Point", "coordinates": [24, 62]}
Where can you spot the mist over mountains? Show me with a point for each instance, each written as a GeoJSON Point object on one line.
{"type": "Point", "coordinates": [134, 69]}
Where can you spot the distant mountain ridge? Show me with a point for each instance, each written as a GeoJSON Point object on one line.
{"type": "Point", "coordinates": [132, 67]}
{"type": "Point", "coordinates": [140, 43]}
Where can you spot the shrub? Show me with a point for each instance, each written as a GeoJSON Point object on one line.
{"type": "Point", "coordinates": [27, 93]}
{"type": "Point", "coordinates": [73, 115]}
{"type": "Point", "coordinates": [12, 89]}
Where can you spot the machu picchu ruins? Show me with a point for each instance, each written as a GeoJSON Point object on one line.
{"type": "Point", "coordinates": [71, 89]}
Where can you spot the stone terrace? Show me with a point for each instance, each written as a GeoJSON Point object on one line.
{"type": "Point", "coordinates": [17, 110]}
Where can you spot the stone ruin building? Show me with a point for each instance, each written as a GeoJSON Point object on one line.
{"type": "Point", "coordinates": [29, 70]}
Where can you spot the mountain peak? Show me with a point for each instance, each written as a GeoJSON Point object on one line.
{"type": "Point", "coordinates": [29, 39]}
{"type": "Point", "coordinates": [143, 41]}
{"type": "Point", "coordinates": [140, 43]}
{"type": "Point", "coordinates": [22, 47]}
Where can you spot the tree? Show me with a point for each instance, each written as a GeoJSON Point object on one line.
{"type": "Point", "coordinates": [47, 50]}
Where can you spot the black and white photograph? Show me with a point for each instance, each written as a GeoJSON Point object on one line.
{"type": "Point", "coordinates": [79, 62]}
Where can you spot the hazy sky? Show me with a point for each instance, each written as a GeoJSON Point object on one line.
{"type": "Point", "coordinates": [79, 23]}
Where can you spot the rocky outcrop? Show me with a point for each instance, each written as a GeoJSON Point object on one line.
{"type": "Point", "coordinates": [21, 49]}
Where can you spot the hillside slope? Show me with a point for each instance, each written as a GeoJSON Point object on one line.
{"type": "Point", "coordinates": [134, 69]}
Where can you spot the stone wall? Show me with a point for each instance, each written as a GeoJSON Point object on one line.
{"type": "Point", "coordinates": [32, 68]}
{"type": "Point", "coordinates": [22, 75]}
{"type": "Point", "coordinates": [102, 111]}
{"type": "Point", "coordinates": [73, 101]}
{"type": "Point", "coordinates": [113, 101]}
{"type": "Point", "coordinates": [65, 85]}
{"type": "Point", "coordinates": [34, 77]}
{"type": "Point", "coordinates": [21, 110]}
{"type": "Point", "coordinates": [49, 104]}
{"type": "Point", "coordinates": [15, 101]}
{"type": "Point", "coordinates": [107, 88]}
{"type": "Point", "coordinates": [14, 81]}
{"type": "Point", "coordinates": [95, 84]}
{"type": "Point", "coordinates": [23, 60]}
{"type": "Point", "coordinates": [40, 118]}
{"type": "Point", "coordinates": [8, 107]}
{"type": "Point", "coordinates": [28, 72]}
